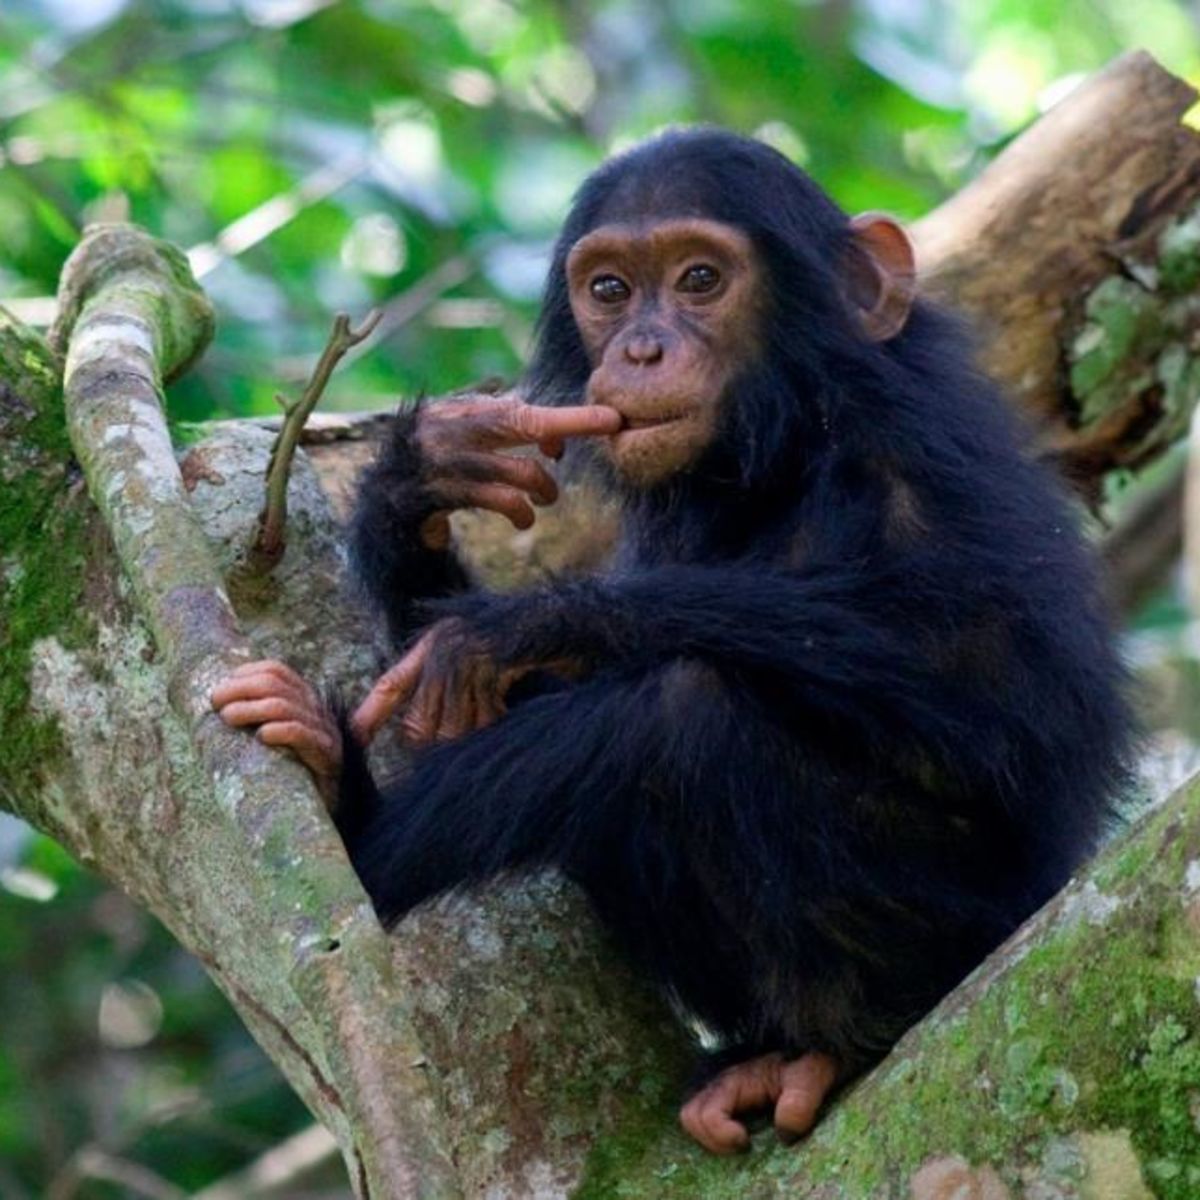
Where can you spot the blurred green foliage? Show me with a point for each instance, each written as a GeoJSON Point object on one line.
{"type": "Point", "coordinates": [415, 154]}
{"type": "Point", "coordinates": [318, 156]}
{"type": "Point", "coordinates": [115, 1046]}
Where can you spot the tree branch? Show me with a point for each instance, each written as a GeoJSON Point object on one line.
{"type": "Point", "coordinates": [268, 545]}
{"type": "Point", "coordinates": [132, 316]}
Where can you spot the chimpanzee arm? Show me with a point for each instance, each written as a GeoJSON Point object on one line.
{"type": "Point", "coordinates": [820, 630]}
{"type": "Point", "coordinates": [396, 567]}
{"type": "Point", "coordinates": [850, 648]}
{"type": "Point", "coordinates": [720, 848]}
{"type": "Point", "coordinates": [448, 457]}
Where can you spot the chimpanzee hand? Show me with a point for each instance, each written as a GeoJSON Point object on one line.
{"type": "Point", "coordinates": [458, 440]}
{"type": "Point", "coordinates": [449, 683]}
{"type": "Point", "coordinates": [795, 1090]}
{"type": "Point", "coordinates": [288, 713]}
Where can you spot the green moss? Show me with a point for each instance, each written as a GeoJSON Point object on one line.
{"type": "Point", "coordinates": [1125, 865]}
{"type": "Point", "coordinates": [1096, 1028]}
{"type": "Point", "coordinates": [43, 535]}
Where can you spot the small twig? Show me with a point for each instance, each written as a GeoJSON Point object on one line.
{"type": "Point", "coordinates": [270, 541]}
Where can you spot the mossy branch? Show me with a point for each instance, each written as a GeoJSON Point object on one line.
{"type": "Point", "coordinates": [132, 316]}
{"type": "Point", "coordinates": [272, 524]}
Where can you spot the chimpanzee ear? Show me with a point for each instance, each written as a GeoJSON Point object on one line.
{"type": "Point", "coordinates": [882, 274]}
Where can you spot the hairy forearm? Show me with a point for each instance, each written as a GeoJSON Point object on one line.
{"type": "Point", "coordinates": [778, 622]}
{"type": "Point", "coordinates": [392, 560]}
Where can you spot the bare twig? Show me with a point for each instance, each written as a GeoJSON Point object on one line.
{"type": "Point", "coordinates": [269, 544]}
{"type": "Point", "coordinates": [273, 214]}
{"type": "Point", "coordinates": [277, 1171]}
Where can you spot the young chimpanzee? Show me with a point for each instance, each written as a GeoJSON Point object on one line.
{"type": "Point", "coordinates": [844, 710]}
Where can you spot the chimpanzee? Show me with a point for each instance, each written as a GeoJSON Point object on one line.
{"type": "Point", "coordinates": [845, 709]}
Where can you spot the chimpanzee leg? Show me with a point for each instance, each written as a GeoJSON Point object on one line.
{"type": "Point", "coordinates": [533, 789]}
{"type": "Point", "coordinates": [714, 842]}
{"type": "Point", "coordinates": [659, 792]}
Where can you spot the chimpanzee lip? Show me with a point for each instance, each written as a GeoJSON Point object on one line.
{"type": "Point", "coordinates": [665, 418]}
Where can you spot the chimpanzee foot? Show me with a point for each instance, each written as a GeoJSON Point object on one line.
{"type": "Point", "coordinates": [796, 1089]}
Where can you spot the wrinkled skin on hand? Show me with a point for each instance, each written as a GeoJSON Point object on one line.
{"type": "Point", "coordinates": [794, 1090]}
{"type": "Point", "coordinates": [448, 684]}
{"type": "Point", "coordinates": [288, 713]}
{"type": "Point", "coordinates": [459, 441]}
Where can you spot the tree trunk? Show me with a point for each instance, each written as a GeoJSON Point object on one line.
{"type": "Point", "coordinates": [497, 1046]}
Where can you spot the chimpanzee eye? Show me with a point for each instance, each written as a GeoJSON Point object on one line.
{"type": "Point", "coordinates": [700, 278]}
{"type": "Point", "coordinates": [609, 289]}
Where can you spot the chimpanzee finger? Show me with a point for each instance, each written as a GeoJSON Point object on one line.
{"type": "Point", "coordinates": [274, 668]}
{"type": "Point", "coordinates": [270, 708]}
{"type": "Point", "coordinates": [432, 699]}
{"type": "Point", "coordinates": [460, 715]}
{"type": "Point", "coordinates": [753, 1084]}
{"type": "Point", "coordinates": [706, 1118]}
{"type": "Point", "coordinates": [416, 727]}
{"type": "Point", "coordinates": [391, 691]}
{"type": "Point", "coordinates": [524, 473]}
{"type": "Point", "coordinates": [495, 497]}
{"type": "Point", "coordinates": [260, 687]}
{"type": "Point", "coordinates": [315, 748]}
{"type": "Point", "coordinates": [422, 715]}
{"type": "Point", "coordinates": [806, 1083]}
{"type": "Point", "coordinates": [264, 666]}
{"type": "Point", "coordinates": [489, 707]}
{"type": "Point", "coordinates": [720, 1129]}
{"type": "Point", "coordinates": [517, 424]}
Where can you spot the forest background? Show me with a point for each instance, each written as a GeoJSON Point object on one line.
{"type": "Point", "coordinates": [418, 157]}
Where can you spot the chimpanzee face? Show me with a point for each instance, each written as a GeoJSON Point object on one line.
{"type": "Point", "coordinates": [669, 312]}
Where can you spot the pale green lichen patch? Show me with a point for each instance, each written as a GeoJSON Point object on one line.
{"type": "Point", "coordinates": [1111, 1170]}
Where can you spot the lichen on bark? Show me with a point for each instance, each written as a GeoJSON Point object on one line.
{"type": "Point", "coordinates": [48, 539]}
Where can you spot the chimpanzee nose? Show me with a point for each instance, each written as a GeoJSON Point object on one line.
{"type": "Point", "coordinates": [644, 349]}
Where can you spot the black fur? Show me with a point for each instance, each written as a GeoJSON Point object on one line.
{"type": "Point", "coordinates": [853, 708]}
{"type": "Point", "coordinates": [395, 568]}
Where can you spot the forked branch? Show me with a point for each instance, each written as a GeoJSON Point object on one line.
{"type": "Point", "coordinates": [272, 523]}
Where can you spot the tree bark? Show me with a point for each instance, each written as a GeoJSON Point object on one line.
{"type": "Point", "coordinates": [497, 1046]}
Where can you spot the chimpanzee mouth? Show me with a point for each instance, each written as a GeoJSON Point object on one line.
{"type": "Point", "coordinates": [666, 418]}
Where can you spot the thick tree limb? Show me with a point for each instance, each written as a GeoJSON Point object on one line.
{"type": "Point", "coordinates": [496, 1047]}
{"type": "Point", "coordinates": [1077, 253]}
{"type": "Point", "coordinates": [134, 317]}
